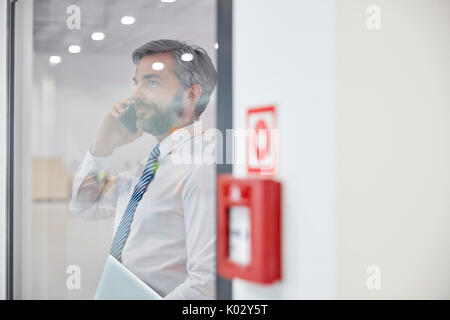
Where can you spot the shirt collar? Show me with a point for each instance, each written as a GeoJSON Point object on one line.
{"type": "Point", "coordinates": [178, 137]}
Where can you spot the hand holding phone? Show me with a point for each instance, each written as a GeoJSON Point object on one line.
{"type": "Point", "coordinates": [117, 128]}
{"type": "Point", "coordinates": [129, 118]}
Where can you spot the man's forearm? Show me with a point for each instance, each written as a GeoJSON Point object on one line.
{"type": "Point", "coordinates": [93, 191]}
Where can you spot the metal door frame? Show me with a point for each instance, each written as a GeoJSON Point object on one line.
{"type": "Point", "coordinates": [224, 102]}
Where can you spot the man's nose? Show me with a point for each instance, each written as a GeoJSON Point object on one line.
{"type": "Point", "coordinates": [137, 93]}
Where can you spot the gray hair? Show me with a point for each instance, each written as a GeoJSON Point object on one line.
{"type": "Point", "coordinates": [200, 70]}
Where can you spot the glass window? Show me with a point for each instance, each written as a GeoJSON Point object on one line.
{"type": "Point", "coordinates": [78, 159]}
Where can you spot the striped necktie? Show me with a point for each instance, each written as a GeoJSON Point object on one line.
{"type": "Point", "coordinates": [124, 227]}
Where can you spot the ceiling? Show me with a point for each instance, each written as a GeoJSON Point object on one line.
{"type": "Point", "coordinates": [190, 20]}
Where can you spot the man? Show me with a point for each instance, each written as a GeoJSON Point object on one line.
{"type": "Point", "coordinates": [164, 210]}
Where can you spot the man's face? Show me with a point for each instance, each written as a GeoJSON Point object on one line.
{"type": "Point", "coordinates": [158, 94]}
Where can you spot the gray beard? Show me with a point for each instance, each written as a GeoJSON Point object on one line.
{"type": "Point", "coordinates": [163, 120]}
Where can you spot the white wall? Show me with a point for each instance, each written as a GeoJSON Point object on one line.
{"type": "Point", "coordinates": [393, 149]}
{"type": "Point", "coordinates": [283, 53]}
{"type": "Point", "coordinates": [369, 159]}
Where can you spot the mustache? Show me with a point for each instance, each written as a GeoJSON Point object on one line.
{"type": "Point", "coordinates": [139, 104]}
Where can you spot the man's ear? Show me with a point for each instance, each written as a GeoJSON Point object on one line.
{"type": "Point", "coordinates": [194, 93]}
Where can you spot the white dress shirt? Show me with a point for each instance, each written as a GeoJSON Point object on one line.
{"type": "Point", "coordinates": [171, 245]}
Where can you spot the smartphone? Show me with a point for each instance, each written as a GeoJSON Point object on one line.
{"type": "Point", "coordinates": [129, 119]}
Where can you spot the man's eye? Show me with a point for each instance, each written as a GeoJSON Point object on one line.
{"type": "Point", "coordinates": [153, 83]}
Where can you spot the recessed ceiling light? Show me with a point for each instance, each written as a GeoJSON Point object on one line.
{"type": "Point", "coordinates": [54, 59]}
{"type": "Point", "coordinates": [216, 46]}
{"type": "Point", "coordinates": [74, 48]}
{"type": "Point", "coordinates": [168, 1]}
{"type": "Point", "coordinates": [158, 66]}
{"type": "Point", "coordinates": [187, 57]}
{"type": "Point", "coordinates": [127, 20]}
{"type": "Point", "coordinates": [97, 36]}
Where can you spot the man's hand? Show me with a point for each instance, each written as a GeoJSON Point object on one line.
{"type": "Point", "coordinates": [112, 133]}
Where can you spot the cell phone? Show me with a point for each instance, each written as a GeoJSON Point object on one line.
{"type": "Point", "coordinates": [129, 119]}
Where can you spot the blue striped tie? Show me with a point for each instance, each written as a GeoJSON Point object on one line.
{"type": "Point", "coordinates": [124, 227]}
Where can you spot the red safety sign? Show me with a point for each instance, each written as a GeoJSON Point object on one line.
{"type": "Point", "coordinates": [262, 141]}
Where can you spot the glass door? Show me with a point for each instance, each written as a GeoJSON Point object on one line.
{"type": "Point", "coordinates": [73, 64]}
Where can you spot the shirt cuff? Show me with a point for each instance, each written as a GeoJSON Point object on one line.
{"type": "Point", "coordinates": [96, 163]}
